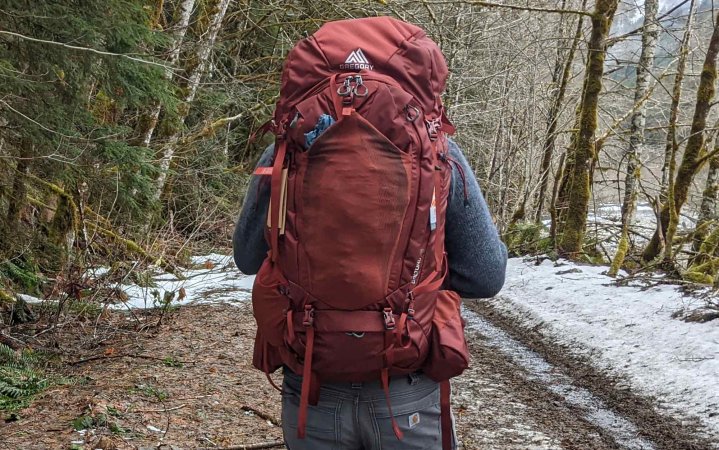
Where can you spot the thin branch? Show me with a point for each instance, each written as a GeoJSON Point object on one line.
{"type": "Point", "coordinates": [87, 49]}
{"type": "Point", "coordinates": [614, 40]}
{"type": "Point", "coordinates": [513, 7]}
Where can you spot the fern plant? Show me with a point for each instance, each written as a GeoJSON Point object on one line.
{"type": "Point", "coordinates": [20, 378]}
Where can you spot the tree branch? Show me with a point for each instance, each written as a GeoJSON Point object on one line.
{"type": "Point", "coordinates": [512, 7]}
{"type": "Point", "coordinates": [87, 49]}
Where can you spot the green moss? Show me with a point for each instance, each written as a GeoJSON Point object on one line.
{"type": "Point", "coordinates": [619, 257]}
{"type": "Point", "coordinates": [527, 238]}
{"type": "Point", "coordinates": [698, 277]}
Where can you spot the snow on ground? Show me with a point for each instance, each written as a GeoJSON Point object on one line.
{"type": "Point", "coordinates": [217, 280]}
{"type": "Point", "coordinates": [628, 331]}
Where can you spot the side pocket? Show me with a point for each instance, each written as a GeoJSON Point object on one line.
{"type": "Point", "coordinates": [269, 304]}
{"type": "Point", "coordinates": [265, 357]}
{"type": "Point", "coordinates": [448, 354]}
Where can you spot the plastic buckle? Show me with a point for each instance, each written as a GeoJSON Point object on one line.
{"type": "Point", "coordinates": [309, 318]}
{"type": "Point", "coordinates": [410, 305]}
{"type": "Point", "coordinates": [389, 323]}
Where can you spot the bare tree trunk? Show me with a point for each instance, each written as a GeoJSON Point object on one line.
{"type": "Point", "coordinates": [182, 21]}
{"type": "Point", "coordinates": [571, 233]}
{"type": "Point", "coordinates": [650, 37]}
{"type": "Point", "coordinates": [195, 74]}
{"type": "Point", "coordinates": [554, 113]}
{"type": "Point", "coordinates": [654, 247]}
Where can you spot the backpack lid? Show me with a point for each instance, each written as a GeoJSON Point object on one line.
{"type": "Point", "coordinates": [377, 44]}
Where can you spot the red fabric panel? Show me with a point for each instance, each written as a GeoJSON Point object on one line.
{"type": "Point", "coordinates": [349, 248]}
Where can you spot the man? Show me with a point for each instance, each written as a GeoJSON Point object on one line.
{"type": "Point", "coordinates": [352, 416]}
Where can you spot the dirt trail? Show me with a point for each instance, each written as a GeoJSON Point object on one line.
{"type": "Point", "coordinates": [185, 387]}
{"type": "Point", "coordinates": [545, 399]}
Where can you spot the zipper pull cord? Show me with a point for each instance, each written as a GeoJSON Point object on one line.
{"type": "Point", "coordinates": [444, 157]}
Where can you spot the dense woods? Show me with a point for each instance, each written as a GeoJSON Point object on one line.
{"type": "Point", "coordinates": [125, 126]}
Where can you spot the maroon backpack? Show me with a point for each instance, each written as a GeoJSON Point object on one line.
{"type": "Point", "coordinates": [351, 287]}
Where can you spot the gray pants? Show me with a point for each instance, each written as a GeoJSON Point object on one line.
{"type": "Point", "coordinates": [355, 416]}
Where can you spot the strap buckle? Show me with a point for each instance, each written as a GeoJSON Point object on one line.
{"type": "Point", "coordinates": [410, 305]}
{"type": "Point", "coordinates": [389, 323]}
{"type": "Point", "coordinates": [309, 318]}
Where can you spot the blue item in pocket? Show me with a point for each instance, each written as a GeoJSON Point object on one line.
{"type": "Point", "coordinates": [325, 121]}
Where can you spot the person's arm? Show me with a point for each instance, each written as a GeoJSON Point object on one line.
{"type": "Point", "coordinates": [477, 257]}
{"type": "Point", "coordinates": [248, 242]}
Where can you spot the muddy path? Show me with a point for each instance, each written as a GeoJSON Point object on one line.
{"type": "Point", "coordinates": [189, 384]}
{"type": "Point", "coordinates": [553, 400]}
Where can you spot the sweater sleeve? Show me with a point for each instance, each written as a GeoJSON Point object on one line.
{"type": "Point", "coordinates": [476, 255]}
{"type": "Point", "coordinates": [248, 242]}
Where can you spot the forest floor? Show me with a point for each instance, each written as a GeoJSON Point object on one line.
{"type": "Point", "coordinates": [189, 384]}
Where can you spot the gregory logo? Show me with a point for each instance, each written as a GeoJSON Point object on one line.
{"type": "Point", "coordinates": [356, 61]}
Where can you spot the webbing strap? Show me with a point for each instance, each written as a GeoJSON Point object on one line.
{"type": "Point", "coordinates": [335, 321]}
{"type": "Point", "coordinates": [275, 196]}
{"type": "Point", "coordinates": [445, 414]}
{"type": "Point", "coordinates": [438, 250]}
{"type": "Point", "coordinates": [306, 383]}
{"type": "Point", "coordinates": [433, 282]}
{"type": "Point", "coordinates": [401, 326]}
{"type": "Point", "coordinates": [385, 388]}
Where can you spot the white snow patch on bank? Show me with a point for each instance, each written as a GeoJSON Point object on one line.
{"type": "Point", "coordinates": [217, 280]}
{"type": "Point", "coordinates": [628, 331]}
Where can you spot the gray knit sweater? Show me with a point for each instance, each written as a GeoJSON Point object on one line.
{"type": "Point", "coordinates": [477, 258]}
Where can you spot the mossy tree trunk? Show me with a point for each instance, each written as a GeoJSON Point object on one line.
{"type": "Point", "coordinates": [562, 74]}
{"type": "Point", "coordinates": [694, 153]}
{"type": "Point", "coordinates": [650, 37]}
{"type": "Point", "coordinates": [708, 209]}
{"type": "Point", "coordinates": [17, 197]}
{"type": "Point", "coordinates": [656, 244]}
{"type": "Point", "coordinates": [571, 230]}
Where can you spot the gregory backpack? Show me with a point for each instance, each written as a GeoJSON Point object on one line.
{"type": "Point", "coordinates": [351, 289]}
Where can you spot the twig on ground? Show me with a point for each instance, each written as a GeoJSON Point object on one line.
{"type": "Point", "coordinates": [261, 415]}
{"type": "Point", "coordinates": [175, 408]}
{"type": "Point", "coordinates": [95, 358]}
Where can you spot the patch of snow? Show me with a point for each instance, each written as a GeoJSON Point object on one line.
{"type": "Point", "coordinates": [154, 429]}
{"type": "Point", "coordinates": [97, 272]}
{"type": "Point", "coordinates": [628, 330]}
{"type": "Point", "coordinates": [218, 280]}
{"type": "Point", "coordinates": [29, 299]}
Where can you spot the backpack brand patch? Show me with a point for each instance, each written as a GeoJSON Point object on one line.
{"type": "Point", "coordinates": [356, 61]}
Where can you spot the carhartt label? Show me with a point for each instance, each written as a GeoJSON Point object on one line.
{"type": "Point", "coordinates": [413, 420]}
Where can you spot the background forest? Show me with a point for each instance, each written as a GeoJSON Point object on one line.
{"type": "Point", "coordinates": [125, 126]}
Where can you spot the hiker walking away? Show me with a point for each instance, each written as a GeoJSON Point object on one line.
{"type": "Point", "coordinates": [364, 224]}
